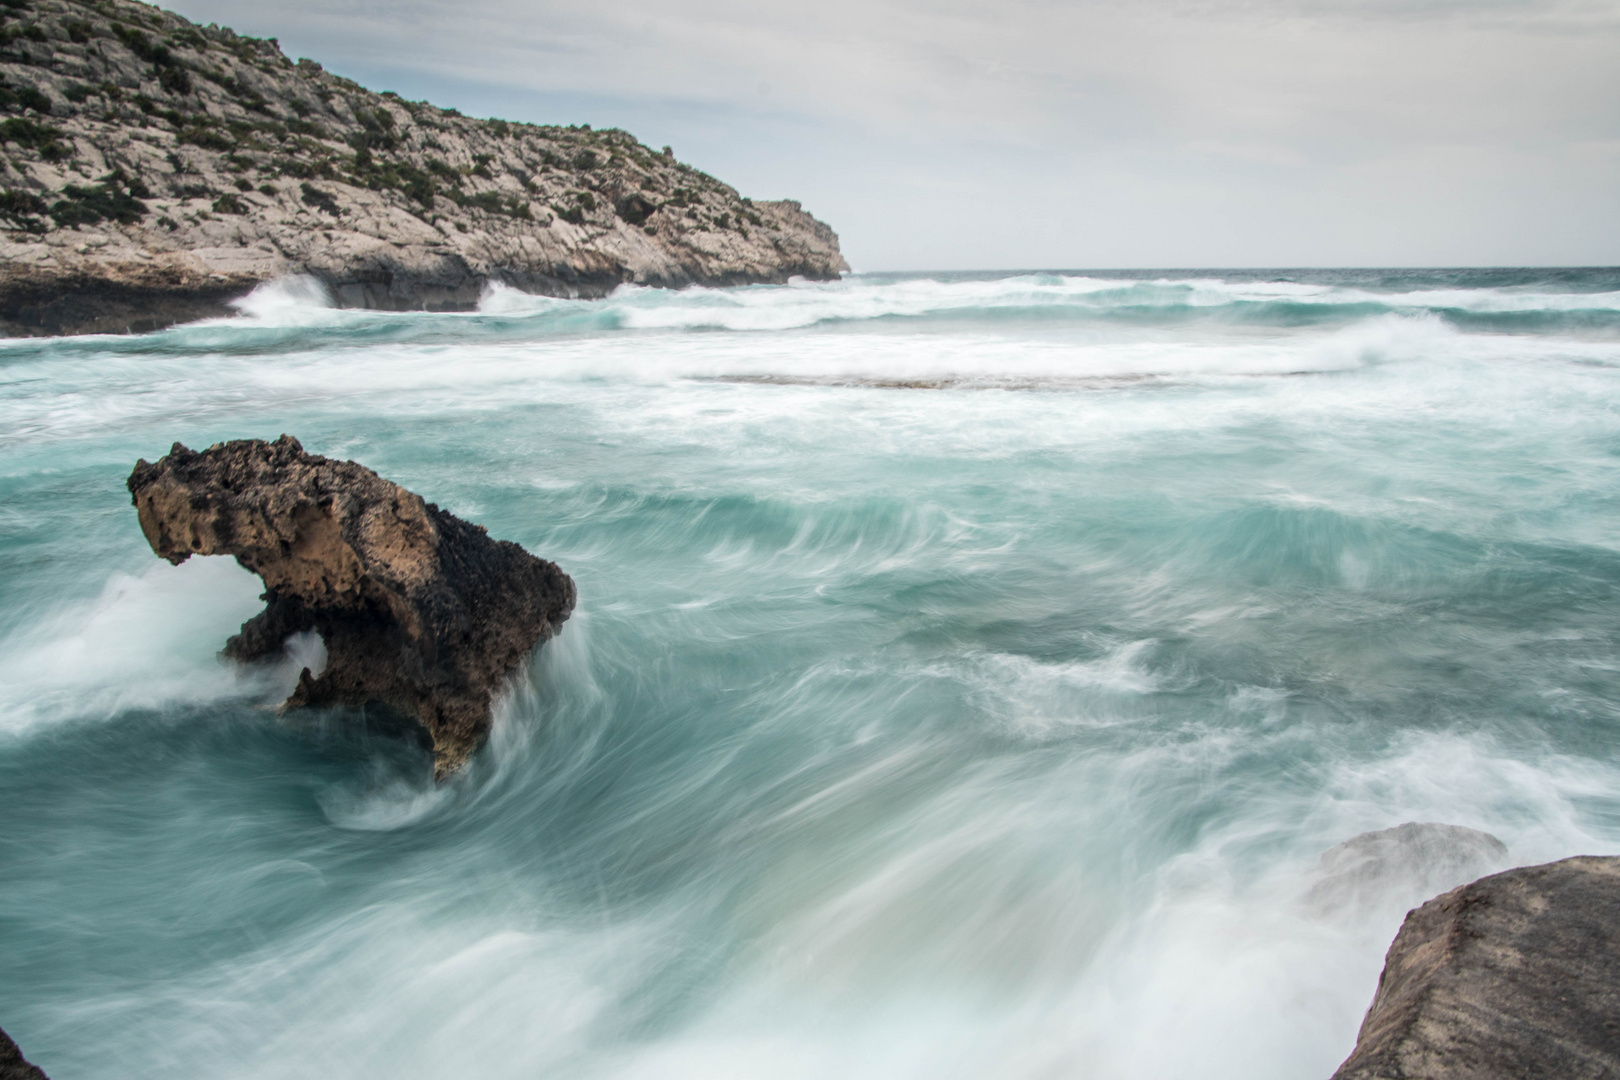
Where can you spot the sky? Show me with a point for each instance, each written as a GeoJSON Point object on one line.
{"type": "Point", "coordinates": [1023, 134]}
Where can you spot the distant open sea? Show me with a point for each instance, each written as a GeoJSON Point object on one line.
{"type": "Point", "coordinates": [968, 674]}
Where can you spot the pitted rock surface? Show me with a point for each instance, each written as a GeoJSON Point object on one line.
{"type": "Point", "coordinates": [1516, 975]}
{"type": "Point", "coordinates": [420, 610]}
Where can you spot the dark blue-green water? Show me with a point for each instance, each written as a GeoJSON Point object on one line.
{"type": "Point", "coordinates": [968, 673]}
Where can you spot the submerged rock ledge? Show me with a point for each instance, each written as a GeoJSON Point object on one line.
{"type": "Point", "coordinates": [1516, 975]}
{"type": "Point", "coordinates": [155, 169]}
{"type": "Point", "coordinates": [420, 610]}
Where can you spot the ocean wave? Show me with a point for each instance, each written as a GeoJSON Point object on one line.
{"type": "Point", "coordinates": [1054, 298]}
{"type": "Point", "coordinates": [147, 641]}
{"type": "Point", "coordinates": [352, 366]}
{"type": "Point", "coordinates": [298, 314]}
{"type": "Point", "coordinates": [908, 724]}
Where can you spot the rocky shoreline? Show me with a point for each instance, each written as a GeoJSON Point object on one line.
{"type": "Point", "coordinates": [153, 170]}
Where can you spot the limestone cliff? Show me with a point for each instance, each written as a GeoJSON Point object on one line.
{"type": "Point", "coordinates": [420, 611]}
{"type": "Point", "coordinates": [152, 169]}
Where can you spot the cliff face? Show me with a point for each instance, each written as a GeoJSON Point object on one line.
{"type": "Point", "coordinates": [1515, 975]}
{"type": "Point", "coordinates": [419, 610]}
{"type": "Point", "coordinates": [152, 169]}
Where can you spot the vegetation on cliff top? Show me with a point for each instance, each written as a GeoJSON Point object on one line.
{"type": "Point", "coordinates": [240, 124]}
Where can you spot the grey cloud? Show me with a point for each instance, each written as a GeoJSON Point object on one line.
{"type": "Point", "coordinates": [1231, 131]}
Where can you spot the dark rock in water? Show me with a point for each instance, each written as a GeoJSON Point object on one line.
{"type": "Point", "coordinates": [126, 299]}
{"type": "Point", "coordinates": [1403, 865]}
{"type": "Point", "coordinates": [13, 1066]}
{"type": "Point", "coordinates": [1516, 975]}
{"type": "Point", "coordinates": [420, 610]}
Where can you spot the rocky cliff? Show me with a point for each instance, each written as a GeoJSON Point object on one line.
{"type": "Point", "coordinates": [151, 169]}
{"type": "Point", "coordinates": [1516, 975]}
{"type": "Point", "coordinates": [420, 611]}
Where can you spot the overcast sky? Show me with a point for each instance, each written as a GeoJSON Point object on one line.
{"type": "Point", "coordinates": [1040, 133]}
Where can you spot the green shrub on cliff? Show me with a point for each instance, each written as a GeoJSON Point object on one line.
{"type": "Point", "coordinates": [137, 42]}
{"type": "Point", "coordinates": [113, 199]}
{"type": "Point", "coordinates": [19, 33]}
{"type": "Point", "coordinates": [175, 80]}
{"type": "Point", "coordinates": [309, 128]}
{"type": "Point", "coordinates": [206, 138]}
{"type": "Point", "coordinates": [22, 210]}
{"type": "Point", "coordinates": [400, 176]}
{"type": "Point", "coordinates": [35, 136]}
{"type": "Point", "coordinates": [320, 200]}
{"type": "Point", "coordinates": [492, 202]}
{"type": "Point", "coordinates": [24, 97]}
{"type": "Point", "coordinates": [305, 170]}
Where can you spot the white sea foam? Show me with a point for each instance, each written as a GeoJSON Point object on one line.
{"type": "Point", "coordinates": [775, 308]}
{"type": "Point", "coordinates": [146, 641]}
{"type": "Point", "coordinates": [299, 300]}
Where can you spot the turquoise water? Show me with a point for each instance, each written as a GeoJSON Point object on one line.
{"type": "Point", "coordinates": [969, 672]}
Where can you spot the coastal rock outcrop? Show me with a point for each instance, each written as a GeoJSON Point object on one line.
{"type": "Point", "coordinates": [155, 169]}
{"type": "Point", "coordinates": [13, 1066]}
{"type": "Point", "coordinates": [420, 610]}
{"type": "Point", "coordinates": [1403, 865]}
{"type": "Point", "coordinates": [1515, 975]}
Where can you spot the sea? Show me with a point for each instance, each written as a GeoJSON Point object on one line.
{"type": "Point", "coordinates": [969, 675]}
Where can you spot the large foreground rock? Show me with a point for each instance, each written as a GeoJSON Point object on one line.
{"type": "Point", "coordinates": [1516, 975]}
{"type": "Point", "coordinates": [420, 610]}
{"type": "Point", "coordinates": [13, 1066]}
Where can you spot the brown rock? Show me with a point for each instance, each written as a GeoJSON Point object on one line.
{"type": "Point", "coordinates": [420, 611]}
{"type": "Point", "coordinates": [13, 1066]}
{"type": "Point", "coordinates": [1516, 975]}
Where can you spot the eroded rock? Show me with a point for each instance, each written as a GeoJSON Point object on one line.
{"type": "Point", "coordinates": [13, 1066]}
{"type": "Point", "coordinates": [420, 610]}
{"type": "Point", "coordinates": [1516, 975]}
